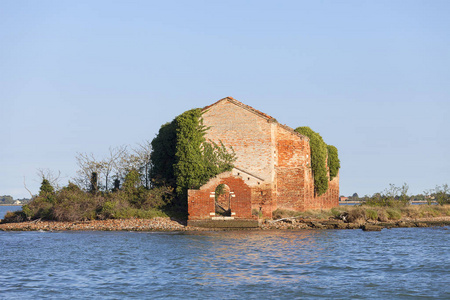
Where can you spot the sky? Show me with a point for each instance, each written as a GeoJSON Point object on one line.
{"type": "Point", "coordinates": [372, 77]}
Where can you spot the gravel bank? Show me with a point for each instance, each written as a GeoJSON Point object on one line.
{"type": "Point", "coordinates": [166, 224]}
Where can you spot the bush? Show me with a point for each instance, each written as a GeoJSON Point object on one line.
{"type": "Point", "coordinates": [393, 214]}
{"type": "Point", "coordinates": [283, 213]}
{"type": "Point", "coordinates": [382, 217]}
{"type": "Point", "coordinates": [337, 212]}
{"type": "Point", "coordinates": [14, 217]}
{"type": "Point", "coordinates": [372, 214]}
{"type": "Point", "coordinates": [356, 214]}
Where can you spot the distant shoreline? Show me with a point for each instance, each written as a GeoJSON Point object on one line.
{"type": "Point", "coordinates": [11, 204]}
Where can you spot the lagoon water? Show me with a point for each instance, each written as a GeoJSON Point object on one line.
{"type": "Point", "coordinates": [5, 208]}
{"type": "Point", "coordinates": [403, 263]}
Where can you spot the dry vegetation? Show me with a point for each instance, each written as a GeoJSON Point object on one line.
{"type": "Point", "coordinates": [360, 214]}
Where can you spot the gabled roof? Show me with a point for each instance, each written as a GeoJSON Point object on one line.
{"type": "Point", "coordinates": [242, 105]}
{"type": "Point", "coordinates": [256, 112]}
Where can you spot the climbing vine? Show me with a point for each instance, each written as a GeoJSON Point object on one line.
{"type": "Point", "coordinates": [333, 161]}
{"type": "Point", "coordinates": [319, 153]}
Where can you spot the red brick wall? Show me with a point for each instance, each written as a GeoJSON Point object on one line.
{"type": "Point", "coordinates": [291, 169]}
{"type": "Point", "coordinates": [248, 134]}
{"type": "Point", "coordinates": [201, 205]}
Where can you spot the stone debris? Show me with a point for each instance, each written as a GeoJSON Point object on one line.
{"type": "Point", "coordinates": [166, 224]}
{"type": "Point", "coordinates": [155, 224]}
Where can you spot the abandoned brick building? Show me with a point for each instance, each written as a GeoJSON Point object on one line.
{"type": "Point", "coordinates": [272, 169]}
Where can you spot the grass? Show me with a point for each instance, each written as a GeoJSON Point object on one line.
{"type": "Point", "coordinates": [366, 212]}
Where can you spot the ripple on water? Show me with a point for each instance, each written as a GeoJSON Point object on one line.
{"type": "Point", "coordinates": [341, 264]}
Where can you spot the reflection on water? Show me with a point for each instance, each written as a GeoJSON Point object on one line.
{"type": "Point", "coordinates": [340, 264]}
{"type": "Point", "coordinates": [252, 258]}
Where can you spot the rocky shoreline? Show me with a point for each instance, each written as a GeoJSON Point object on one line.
{"type": "Point", "coordinates": [166, 224]}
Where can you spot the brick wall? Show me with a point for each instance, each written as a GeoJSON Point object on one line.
{"type": "Point", "coordinates": [201, 202]}
{"type": "Point", "coordinates": [248, 134]}
{"type": "Point", "coordinates": [292, 163]}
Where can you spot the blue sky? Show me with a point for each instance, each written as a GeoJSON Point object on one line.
{"type": "Point", "coordinates": [372, 77]}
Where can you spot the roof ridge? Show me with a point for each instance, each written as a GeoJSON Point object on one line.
{"type": "Point", "coordinates": [257, 112]}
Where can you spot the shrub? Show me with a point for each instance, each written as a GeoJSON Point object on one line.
{"type": "Point", "coordinates": [283, 213]}
{"type": "Point", "coordinates": [372, 214]}
{"type": "Point", "coordinates": [382, 216]}
{"type": "Point", "coordinates": [336, 212]}
{"type": "Point", "coordinates": [393, 214]}
{"type": "Point", "coordinates": [14, 217]}
{"type": "Point", "coordinates": [356, 214]}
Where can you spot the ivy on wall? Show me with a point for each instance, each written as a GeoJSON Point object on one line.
{"type": "Point", "coordinates": [333, 161]}
{"type": "Point", "coordinates": [318, 159]}
{"type": "Point", "coordinates": [183, 158]}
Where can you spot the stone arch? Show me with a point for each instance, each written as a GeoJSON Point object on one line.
{"type": "Point", "coordinates": [201, 202]}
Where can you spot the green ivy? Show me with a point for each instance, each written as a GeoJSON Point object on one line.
{"type": "Point", "coordinates": [182, 157]}
{"type": "Point", "coordinates": [318, 159]}
{"type": "Point", "coordinates": [333, 161]}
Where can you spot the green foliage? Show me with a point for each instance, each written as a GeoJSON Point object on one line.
{"type": "Point", "coordinates": [442, 194]}
{"type": "Point", "coordinates": [182, 158]}
{"type": "Point", "coordinates": [393, 197]}
{"type": "Point", "coordinates": [71, 203]}
{"type": "Point", "coordinates": [14, 217]}
{"type": "Point", "coordinates": [46, 188]}
{"type": "Point", "coordinates": [333, 161]}
{"type": "Point", "coordinates": [163, 154]}
{"type": "Point", "coordinates": [372, 214]}
{"type": "Point", "coordinates": [189, 169]}
{"type": "Point", "coordinates": [393, 214]}
{"type": "Point", "coordinates": [318, 159]}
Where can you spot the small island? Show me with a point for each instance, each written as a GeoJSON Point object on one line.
{"type": "Point", "coordinates": [226, 166]}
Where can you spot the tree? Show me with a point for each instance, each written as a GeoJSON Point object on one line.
{"type": "Point", "coordinates": [94, 183]}
{"type": "Point", "coordinates": [88, 164]}
{"type": "Point", "coordinates": [46, 188]}
{"type": "Point", "coordinates": [143, 152]}
{"type": "Point", "coordinates": [110, 163]}
{"type": "Point", "coordinates": [182, 158]}
{"type": "Point", "coordinates": [442, 194]}
{"type": "Point", "coordinates": [52, 177]}
{"type": "Point", "coordinates": [164, 147]}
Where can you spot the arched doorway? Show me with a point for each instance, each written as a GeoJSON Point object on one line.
{"type": "Point", "coordinates": [222, 200]}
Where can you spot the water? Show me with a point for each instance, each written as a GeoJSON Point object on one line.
{"type": "Point", "coordinates": [5, 208]}
{"type": "Point", "coordinates": [403, 263]}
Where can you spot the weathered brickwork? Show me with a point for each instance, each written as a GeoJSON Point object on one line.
{"type": "Point", "coordinates": [201, 202]}
{"type": "Point", "coordinates": [272, 170]}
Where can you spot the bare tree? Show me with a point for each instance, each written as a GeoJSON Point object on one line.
{"type": "Point", "coordinates": [143, 152]}
{"type": "Point", "coordinates": [111, 163]}
{"type": "Point", "coordinates": [88, 164]}
{"type": "Point", "coordinates": [51, 176]}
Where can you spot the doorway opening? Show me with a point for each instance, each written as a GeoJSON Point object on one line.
{"type": "Point", "coordinates": [222, 199]}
